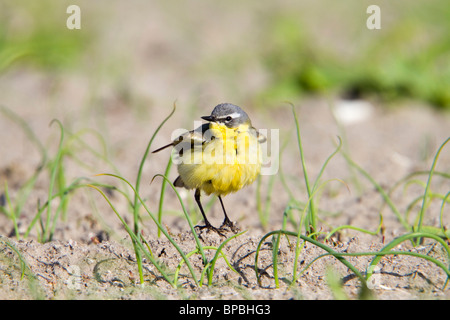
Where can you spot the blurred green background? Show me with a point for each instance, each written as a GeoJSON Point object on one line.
{"type": "Point", "coordinates": [261, 51]}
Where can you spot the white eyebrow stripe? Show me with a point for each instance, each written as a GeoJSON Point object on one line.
{"type": "Point", "coordinates": [232, 115]}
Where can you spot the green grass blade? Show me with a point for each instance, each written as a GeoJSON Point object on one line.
{"type": "Point", "coordinates": [380, 254]}
{"type": "Point", "coordinates": [188, 255]}
{"type": "Point", "coordinates": [53, 173]}
{"type": "Point", "coordinates": [36, 291]}
{"type": "Point", "coordinates": [138, 183]}
{"type": "Point", "coordinates": [141, 166]}
{"type": "Point", "coordinates": [155, 220]}
{"type": "Point", "coordinates": [264, 211]}
{"type": "Point", "coordinates": [314, 242]}
{"type": "Point", "coordinates": [338, 148]}
{"type": "Point", "coordinates": [275, 248]}
{"type": "Point", "coordinates": [136, 241]}
{"type": "Point", "coordinates": [444, 231]}
{"type": "Point", "coordinates": [188, 218]}
{"type": "Point", "coordinates": [219, 251]}
{"type": "Point", "coordinates": [403, 238]}
{"type": "Point", "coordinates": [311, 222]}
{"type": "Point", "coordinates": [25, 190]}
{"type": "Point", "coordinates": [385, 196]}
{"type": "Point", "coordinates": [417, 173]}
{"type": "Point", "coordinates": [163, 191]}
{"type": "Point", "coordinates": [10, 213]}
{"type": "Point", "coordinates": [427, 188]}
{"type": "Point", "coordinates": [282, 176]}
{"type": "Point", "coordinates": [334, 282]}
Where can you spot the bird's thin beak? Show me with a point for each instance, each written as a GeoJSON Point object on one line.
{"type": "Point", "coordinates": [208, 118]}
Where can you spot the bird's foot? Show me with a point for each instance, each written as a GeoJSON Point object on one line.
{"type": "Point", "coordinates": [228, 224]}
{"type": "Point", "coordinates": [209, 227]}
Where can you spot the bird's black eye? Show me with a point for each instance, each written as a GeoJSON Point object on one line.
{"type": "Point", "coordinates": [228, 118]}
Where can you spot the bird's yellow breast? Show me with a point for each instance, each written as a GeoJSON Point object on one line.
{"type": "Point", "coordinates": [224, 164]}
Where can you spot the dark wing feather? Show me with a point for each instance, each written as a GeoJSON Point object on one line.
{"type": "Point", "coordinates": [194, 137]}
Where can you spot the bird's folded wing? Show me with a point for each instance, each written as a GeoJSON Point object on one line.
{"type": "Point", "coordinates": [193, 138]}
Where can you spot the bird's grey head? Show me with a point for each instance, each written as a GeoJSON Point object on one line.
{"type": "Point", "coordinates": [229, 114]}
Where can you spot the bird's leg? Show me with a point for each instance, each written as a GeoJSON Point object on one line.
{"type": "Point", "coordinates": [226, 222]}
{"type": "Point", "coordinates": [207, 224]}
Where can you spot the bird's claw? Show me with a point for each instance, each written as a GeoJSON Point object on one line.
{"type": "Point", "coordinates": [209, 227]}
{"type": "Point", "coordinates": [227, 224]}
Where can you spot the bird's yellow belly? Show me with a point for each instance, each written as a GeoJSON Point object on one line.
{"type": "Point", "coordinates": [223, 166]}
{"type": "Point", "coordinates": [219, 179]}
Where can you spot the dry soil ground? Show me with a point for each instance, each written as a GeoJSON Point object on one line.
{"type": "Point", "coordinates": [90, 256]}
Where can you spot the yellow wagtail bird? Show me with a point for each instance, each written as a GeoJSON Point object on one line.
{"type": "Point", "coordinates": [219, 157]}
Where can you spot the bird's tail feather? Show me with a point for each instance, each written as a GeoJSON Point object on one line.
{"type": "Point", "coordinates": [162, 148]}
{"type": "Point", "coordinates": [179, 182]}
